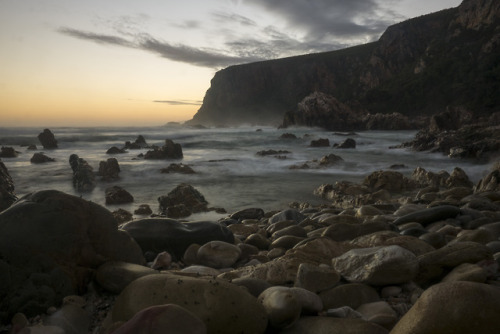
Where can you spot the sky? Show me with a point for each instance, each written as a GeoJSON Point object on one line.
{"type": "Point", "coordinates": [149, 62]}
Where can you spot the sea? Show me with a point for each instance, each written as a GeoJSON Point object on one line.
{"type": "Point", "coordinates": [228, 171]}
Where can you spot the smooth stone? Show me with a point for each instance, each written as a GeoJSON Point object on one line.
{"type": "Point", "coordinates": [343, 312]}
{"type": "Point", "coordinates": [494, 246]}
{"type": "Point", "coordinates": [162, 261]}
{"type": "Point", "coordinates": [390, 291]}
{"type": "Point", "coordinates": [330, 325]}
{"type": "Point", "coordinates": [380, 313]}
{"type": "Point", "coordinates": [479, 236]}
{"type": "Point", "coordinates": [254, 285]}
{"type": "Point", "coordinates": [281, 305]}
{"type": "Point", "coordinates": [377, 265]}
{"type": "Point", "coordinates": [276, 253]}
{"type": "Point", "coordinates": [274, 227]}
{"type": "Point", "coordinates": [453, 308]}
{"type": "Point", "coordinates": [258, 240]}
{"type": "Point", "coordinates": [243, 230]}
{"type": "Point", "coordinates": [169, 318]}
{"type": "Point", "coordinates": [71, 318]}
{"type": "Point", "coordinates": [294, 230]}
{"type": "Point", "coordinates": [286, 242]}
{"type": "Point", "coordinates": [430, 215]}
{"type": "Point", "coordinates": [344, 232]}
{"type": "Point", "coordinates": [337, 219]}
{"type": "Point", "coordinates": [288, 214]}
{"type": "Point", "coordinates": [115, 276]}
{"type": "Point", "coordinates": [250, 213]}
{"type": "Point", "coordinates": [466, 272]}
{"type": "Point", "coordinates": [351, 294]}
{"type": "Point", "coordinates": [222, 306]}
{"type": "Point", "coordinates": [201, 270]}
{"type": "Point", "coordinates": [316, 278]}
{"type": "Point", "coordinates": [368, 210]}
{"type": "Point", "coordinates": [493, 228]}
{"type": "Point", "coordinates": [435, 239]}
{"type": "Point", "coordinates": [218, 254]}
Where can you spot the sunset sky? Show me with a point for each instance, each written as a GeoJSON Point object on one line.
{"type": "Point", "coordinates": [148, 62]}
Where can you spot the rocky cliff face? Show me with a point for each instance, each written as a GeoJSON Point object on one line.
{"type": "Point", "coordinates": [417, 67]}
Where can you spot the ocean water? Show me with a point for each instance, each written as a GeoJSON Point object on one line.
{"type": "Point", "coordinates": [229, 173]}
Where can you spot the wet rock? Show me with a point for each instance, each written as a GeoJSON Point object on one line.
{"type": "Point", "coordinates": [8, 152]}
{"type": "Point", "coordinates": [143, 209]}
{"type": "Point", "coordinates": [223, 307]}
{"type": "Point", "coordinates": [7, 194]}
{"type": "Point", "coordinates": [430, 215]}
{"type": "Point", "coordinates": [272, 152]}
{"type": "Point", "coordinates": [122, 216]}
{"type": "Point", "coordinates": [39, 158]}
{"type": "Point", "coordinates": [288, 214]}
{"type": "Point", "coordinates": [250, 213]}
{"type": "Point", "coordinates": [448, 308]}
{"type": "Point", "coordinates": [377, 265]}
{"type": "Point", "coordinates": [47, 139]}
{"type": "Point", "coordinates": [178, 168]}
{"type": "Point", "coordinates": [391, 181]}
{"type": "Point", "coordinates": [116, 150]}
{"type": "Point", "coordinates": [160, 234]}
{"type": "Point", "coordinates": [218, 254]}
{"type": "Point", "coordinates": [288, 136]}
{"type": "Point", "coordinates": [467, 272]}
{"type": "Point", "coordinates": [348, 143]}
{"type": "Point", "coordinates": [83, 174]}
{"type": "Point", "coordinates": [170, 150]}
{"type": "Point", "coordinates": [114, 276]}
{"type": "Point", "coordinates": [316, 278]}
{"type": "Point", "coordinates": [118, 195]}
{"type": "Point", "coordinates": [109, 169]}
{"type": "Point", "coordinates": [330, 159]}
{"type": "Point", "coordinates": [184, 197]}
{"type": "Point", "coordinates": [321, 142]}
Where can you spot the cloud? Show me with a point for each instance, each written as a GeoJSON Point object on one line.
{"type": "Point", "coordinates": [180, 102]}
{"type": "Point", "coordinates": [97, 38]}
{"type": "Point", "coordinates": [224, 17]}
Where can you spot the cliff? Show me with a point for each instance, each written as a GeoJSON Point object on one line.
{"type": "Point", "coordinates": [417, 68]}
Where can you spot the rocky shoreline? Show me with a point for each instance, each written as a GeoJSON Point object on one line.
{"type": "Point", "coordinates": [416, 254]}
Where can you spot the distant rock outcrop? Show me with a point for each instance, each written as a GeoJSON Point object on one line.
{"type": "Point", "coordinates": [417, 67]}
{"type": "Point", "coordinates": [47, 139]}
{"type": "Point", "coordinates": [170, 150]}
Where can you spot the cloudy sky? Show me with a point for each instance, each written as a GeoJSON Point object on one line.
{"type": "Point", "coordinates": [131, 62]}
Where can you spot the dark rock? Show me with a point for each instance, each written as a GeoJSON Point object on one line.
{"type": "Point", "coordinates": [118, 195]}
{"type": "Point", "coordinates": [330, 159]}
{"type": "Point", "coordinates": [288, 136]}
{"type": "Point", "coordinates": [32, 147]}
{"type": "Point", "coordinates": [109, 169]}
{"type": "Point", "coordinates": [47, 139]}
{"type": "Point", "coordinates": [170, 150]}
{"type": "Point", "coordinates": [50, 242]}
{"type": "Point", "coordinates": [391, 181]}
{"type": "Point", "coordinates": [143, 209]}
{"type": "Point", "coordinates": [8, 152]}
{"type": "Point", "coordinates": [122, 216]}
{"type": "Point", "coordinates": [250, 213]}
{"type": "Point", "coordinates": [430, 215]}
{"type": "Point", "coordinates": [490, 182]}
{"type": "Point", "coordinates": [348, 143]}
{"type": "Point", "coordinates": [7, 195]}
{"type": "Point", "coordinates": [139, 143]}
{"type": "Point", "coordinates": [178, 168]}
{"type": "Point", "coordinates": [394, 121]}
{"type": "Point", "coordinates": [453, 118]}
{"type": "Point", "coordinates": [39, 158]}
{"type": "Point", "coordinates": [162, 234]}
{"type": "Point", "coordinates": [116, 150]}
{"type": "Point", "coordinates": [83, 174]}
{"type": "Point", "coordinates": [322, 142]}
{"type": "Point", "coordinates": [182, 201]}
{"type": "Point", "coordinates": [272, 152]}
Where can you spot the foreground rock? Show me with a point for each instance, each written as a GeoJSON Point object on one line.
{"type": "Point", "coordinates": [7, 194]}
{"type": "Point", "coordinates": [47, 139]}
{"type": "Point", "coordinates": [51, 242]}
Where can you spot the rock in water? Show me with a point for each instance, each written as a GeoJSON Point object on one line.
{"type": "Point", "coordinates": [7, 196]}
{"type": "Point", "coordinates": [222, 306]}
{"type": "Point", "coordinates": [109, 169]}
{"type": "Point", "coordinates": [39, 158]}
{"type": "Point", "coordinates": [83, 174]}
{"type": "Point", "coordinates": [170, 150]}
{"type": "Point", "coordinates": [182, 202]}
{"type": "Point", "coordinates": [47, 139]}
{"type": "Point", "coordinates": [51, 241]}
{"type": "Point", "coordinates": [118, 195]}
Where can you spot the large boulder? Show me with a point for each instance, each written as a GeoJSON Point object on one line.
{"type": "Point", "coordinates": [109, 169]}
{"type": "Point", "coordinates": [40, 158]}
{"type": "Point", "coordinates": [83, 174]}
{"type": "Point", "coordinates": [47, 139]}
{"type": "Point", "coordinates": [490, 182]}
{"type": "Point", "coordinates": [49, 244]}
{"type": "Point", "coordinates": [170, 150]}
{"type": "Point", "coordinates": [455, 307]}
{"type": "Point", "coordinates": [7, 195]}
{"type": "Point", "coordinates": [118, 195]}
{"type": "Point", "coordinates": [182, 201]}
{"type": "Point", "coordinates": [162, 234]}
{"type": "Point", "coordinates": [222, 306]}
{"type": "Point", "coordinates": [391, 181]}
{"type": "Point", "coordinates": [8, 152]}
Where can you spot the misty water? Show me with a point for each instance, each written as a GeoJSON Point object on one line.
{"type": "Point", "coordinates": [229, 173]}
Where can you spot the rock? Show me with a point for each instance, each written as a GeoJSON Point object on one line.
{"type": "Point", "coordinates": [186, 196]}
{"type": "Point", "coordinates": [7, 194]}
{"type": "Point", "coordinates": [32, 147]}
{"type": "Point", "coordinates": [458, 178]}
{"type": "Point", "coordinates": [288, 136]}
{"type": "Point", "coordinates": [330, 325]}
{"type": "Point", "coordinates": [430, 215]}
{"type": "Point", "coordinates": [351, 294]}
{"type": "Point", "coordinates": [178, 168]}
{"type": "Point", "coordinates": [170, 150]}
{"type": "Point", "coordinates": [47, 139]}
{"type": "Point", "coordinates": [330, 159]}
{"type": "Point", "coordinates": [118, 195]}
{"type": "Point", "coordinates": [281, 305]}
{"type": "Point", "coordinates": [343, 312]}
{"type": "Point", "coordinates": [68, 238]}
{"type": "Point", "coordinates": [345, 232]}
{"type": "Point", "coordinates": [114, 276]}
{"type": "Point", "coordinates": [293, 230]}
{"type": "Point", "coordinates": [109, 169]}
{"type": "Point", "coordinates": [83, 174]}
{"type": "Point", "coordinates": [218, 254]}
{"type": "Point", "coordinates": [71, 318]}
{"type": "Point", "coordinates": [122, 216]}
{"type": "Point", "coordinates": [394, 121]}
{"type": "Point", "coordinates": [223, 307]}
{"type": "Point", "coordinates": [258, 240]}
{"type": "Point", "coordinates": [449, 308]}
{"type": "Point", "coordinates": [143, 209]}
{"type": "Point", "coordinates": [116, 150]}
{"type": "Point", "coordinates": [490, 182]}
{"type": "Point", "coordinates": [288, 214]}
{"type": "Point", "coordinates": [199, 270]}
{"type": "Point", "coordinates": [467, 272]}
{"type": "Point", "coordinates": [286, 242]}
{"type": "Point", "coordinates": [250, 213]}
{"type": "Point", "coordinates": [162, 261]}
{"type": "Point", "coordinates": [159, 234]}
{"type": "Point", "coordinates": [168, 318]}
{"type": "Point", "coordinates": [348, 143]}
{"type": "Point", "coordinates": [316, 278]}
{"type": "Point", "coordinates": [380, 313]}
{"type": "Point", "coordinates": [391, 181]}
{"type": "Point", "coordinates": [377, 265]}
{"type": "Point", "coordinates": [427, 178]}
{"type": "Point", "coordinates": [8, 152]}
{"type": "Point", "coordinates": [254, 285]}
{"type": "Point", "coordinates": [321, 142]}
{"type": "Point", "coordinates": [272, 152]}
{"type": "Point", "coordinates": [39, 158]}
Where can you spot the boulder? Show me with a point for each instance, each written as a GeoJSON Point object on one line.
{"type": "Point", "coordinates": [454, 307]}
{"type": "Point", "coordinates": [47, 139]}
{"type": "Point", "coordinates": [178, 168]}
{"type": "Point", "coordinates": [170, 150]}
{"type": "Point", "coordinates": [222, 306]}
{"type": "Point", "coordinates": [162, 234]}
{"type": "Point", "coordinates": [50, 241]}
{"type": "Point", "coordinates": [83, 174]}
{"type": "Point", "coordinates": [114, 276]}
{"type": "Point", "coordinates": [316, 278]}
{"type": "Point", "coordinates": [348, 143]}
{"type": "Point", "coordinates": [377, 265]}
{"type": "Point", "coordinates": [116, 150]}
{"type": "Point", "coordinates": [288, 214]}
{"type": "Point", "coordinates": [184, 197]}
{"type": "Point", "coordinates": [218, 254]}
{"type": "Point", "coordinates": [143, 209]}
{"type": "Point", "coordinates": [249, 213]}
{"type": "Point", "coordinates": [39, 158]}
{"type": "Point", "coordinates": [392, 181]}
{"type": "Point", "coordinates": [321, 142]}
{"type": "Point", "coordinates": [8, 152]}
{"type": "Point", "coordinates": [7, 194]}
{"type": "Point", "coordinates": [490, 182]}
{"type": "Point", "coordinates": [118, 195]}
{"type": "Point", "coordinates": [428, 216]}
{"type": "Point", "coordinates": [330, 159]}
{"type": "Point", "coordinates": [109, 169]}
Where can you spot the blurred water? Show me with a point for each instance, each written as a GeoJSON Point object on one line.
{"type": "Point", "coordinates": [229, 173]}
